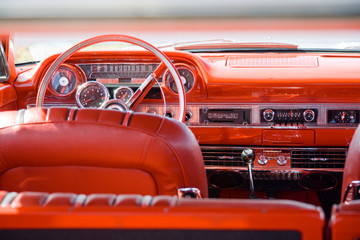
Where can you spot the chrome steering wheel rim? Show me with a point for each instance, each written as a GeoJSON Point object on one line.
{"type": "Point", "coordinates": [111, 38]}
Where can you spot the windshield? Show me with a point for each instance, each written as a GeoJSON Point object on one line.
{"type": "Point", "coordinates": [32, 48]}
{"type": "Point", "coordinates": [323, 25]}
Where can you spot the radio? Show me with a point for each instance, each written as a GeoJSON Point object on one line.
{"type": "Point", "coordinates": [289, 115]}
{"type": "Point", "coordinates": [230, 116]}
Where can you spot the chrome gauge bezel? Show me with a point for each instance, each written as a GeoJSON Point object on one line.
{"type": "Point", "coordinates": [121, 88]}
{"type": "Point", "coordinates": [71, 69]}
{"type": "Point", "coordinates": [88, 84]}
{"type": "Point", "coordinates": [180, 66]}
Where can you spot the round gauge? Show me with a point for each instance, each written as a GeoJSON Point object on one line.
{"type": "Point", "coordinates": [343, 117]}
{"type": "Point", "coordinates": [63, 81]}
{"type": "Point", "coordinates": [123, 93]}
{"type": "Point", "coordinates": [92, 95]}
{"type": "Point", "coordinates": [186, 75]}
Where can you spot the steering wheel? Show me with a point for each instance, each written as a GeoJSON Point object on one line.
{"type": "Point", "coordinates": [144, 87]}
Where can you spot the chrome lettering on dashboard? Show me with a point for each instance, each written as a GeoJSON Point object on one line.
{"type": "Point", "coordinates": [118, 72]}
{"type": "Point", "coordinates": [215, 115]}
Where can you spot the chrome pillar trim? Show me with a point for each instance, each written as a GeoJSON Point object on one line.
{"type": "Point", "coordinates": [352, 192]}
{"type": "Point", "coordinates": [189, 193]}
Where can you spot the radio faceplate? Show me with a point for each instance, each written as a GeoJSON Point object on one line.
{"type": "Point", "coordinates": [236, 116]}
{"type": "Point", "coordinates": [286, 116]}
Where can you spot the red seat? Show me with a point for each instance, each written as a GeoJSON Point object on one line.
{"type": "Point", "coordinates": [143, 217]}
{"type": "Point", "coordinates": [352, 163]}
{"type": "Point", "coordinates": [97, 151]}
{"type": "Point", "coordinates": [345, 221]}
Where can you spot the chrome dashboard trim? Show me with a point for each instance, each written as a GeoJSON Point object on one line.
{"type": "Point", "coordinates": [322, 121]}
{"type": "Point", "coordinates": [82, 64]}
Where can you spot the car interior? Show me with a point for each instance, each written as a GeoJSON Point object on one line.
{"type": "Point", "coordinates": [204, 139]}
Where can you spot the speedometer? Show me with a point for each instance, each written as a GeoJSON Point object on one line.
{"type": "Point", "coordinates": [92, 95]}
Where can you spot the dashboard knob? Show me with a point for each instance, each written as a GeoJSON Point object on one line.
{"type": "Point", "coordinates": [152, 111]}
{"type": "Point", "coordinates": [262, 160]}
{"type": "Point", "coordinates": [281, 160]}
{"type": "Point", "coordinates": [309, 115]}
{"type": "Point", "coordinates": [268, 115]}
{"type": "Point", "coordinates": [169, 114]}
{"type": "Point", "coordinates": [188, 116]}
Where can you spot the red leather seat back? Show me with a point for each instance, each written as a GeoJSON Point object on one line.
{"type": "Point", "coordinates": [352, 163]}
{"type": "Point", "coordinates": [97, 151]}
{"type": "Point", "coordinates": [175, 218]}
{"type": "Point", "coordinates": [345, 221]}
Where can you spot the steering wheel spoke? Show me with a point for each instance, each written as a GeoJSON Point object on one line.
{"type": "Point", "coordinates": [145, 87]}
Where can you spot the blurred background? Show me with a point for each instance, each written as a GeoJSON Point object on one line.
{"type": "Point", "coordinates": [42, 27]}
{"type": "Point", "coordinates": [31, 9]}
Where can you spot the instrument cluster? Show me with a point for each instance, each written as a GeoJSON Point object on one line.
{"type": "Point", "coordinates": [96, 83]}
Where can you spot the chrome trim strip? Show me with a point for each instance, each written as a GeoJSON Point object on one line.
{"type": "Point", "coordinates": [7, 200]}
{"type": "Point", "coordinates": [255, 114]}
{"type": "Point", "coordinates": [20, 116]}
{"type": "Point", "coordinates": [49, 105]}
{"type": "Point", "coordinates": [4, 64]}
{"type": "Point", "coordinates": [80, 200]}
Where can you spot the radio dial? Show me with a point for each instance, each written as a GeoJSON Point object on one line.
{"type": "Point", "coordinates": [309, 115]}
{"type": "Point", "coordinates": [268, 115]}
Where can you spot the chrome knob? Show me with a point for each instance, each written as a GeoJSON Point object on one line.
{"type": "Point", "coordinates": [268, 115]}
{"type": "Point", "coordinates": [281, 160]}
{"type": "Point", "coordinates": [262, 160]}
{"type": "Point", "coordinates": [152, 111]}
{"type": "Point", "coordinates": [248, 156]}
{"type": "Point", "coordinates": [169, 114]}
{"type": "Point", "coordinates": [188, 116]}
{"type": "Point", "coordinates": [309, 115]}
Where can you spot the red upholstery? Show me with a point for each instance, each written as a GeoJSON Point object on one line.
{"type": "Point", "coordinates": [97, 151]}
{"type": "Point", "coordinates": [352, 164]}
{"type": "Point", "coordinates": [162, 212]}
{"type": "Point", "coordinates": [345, 221]}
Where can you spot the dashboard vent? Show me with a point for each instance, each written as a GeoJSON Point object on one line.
{"type": "Point", "coordinates": [318, 158]}
{"type": "Point", "coordinates": [214, 156]}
